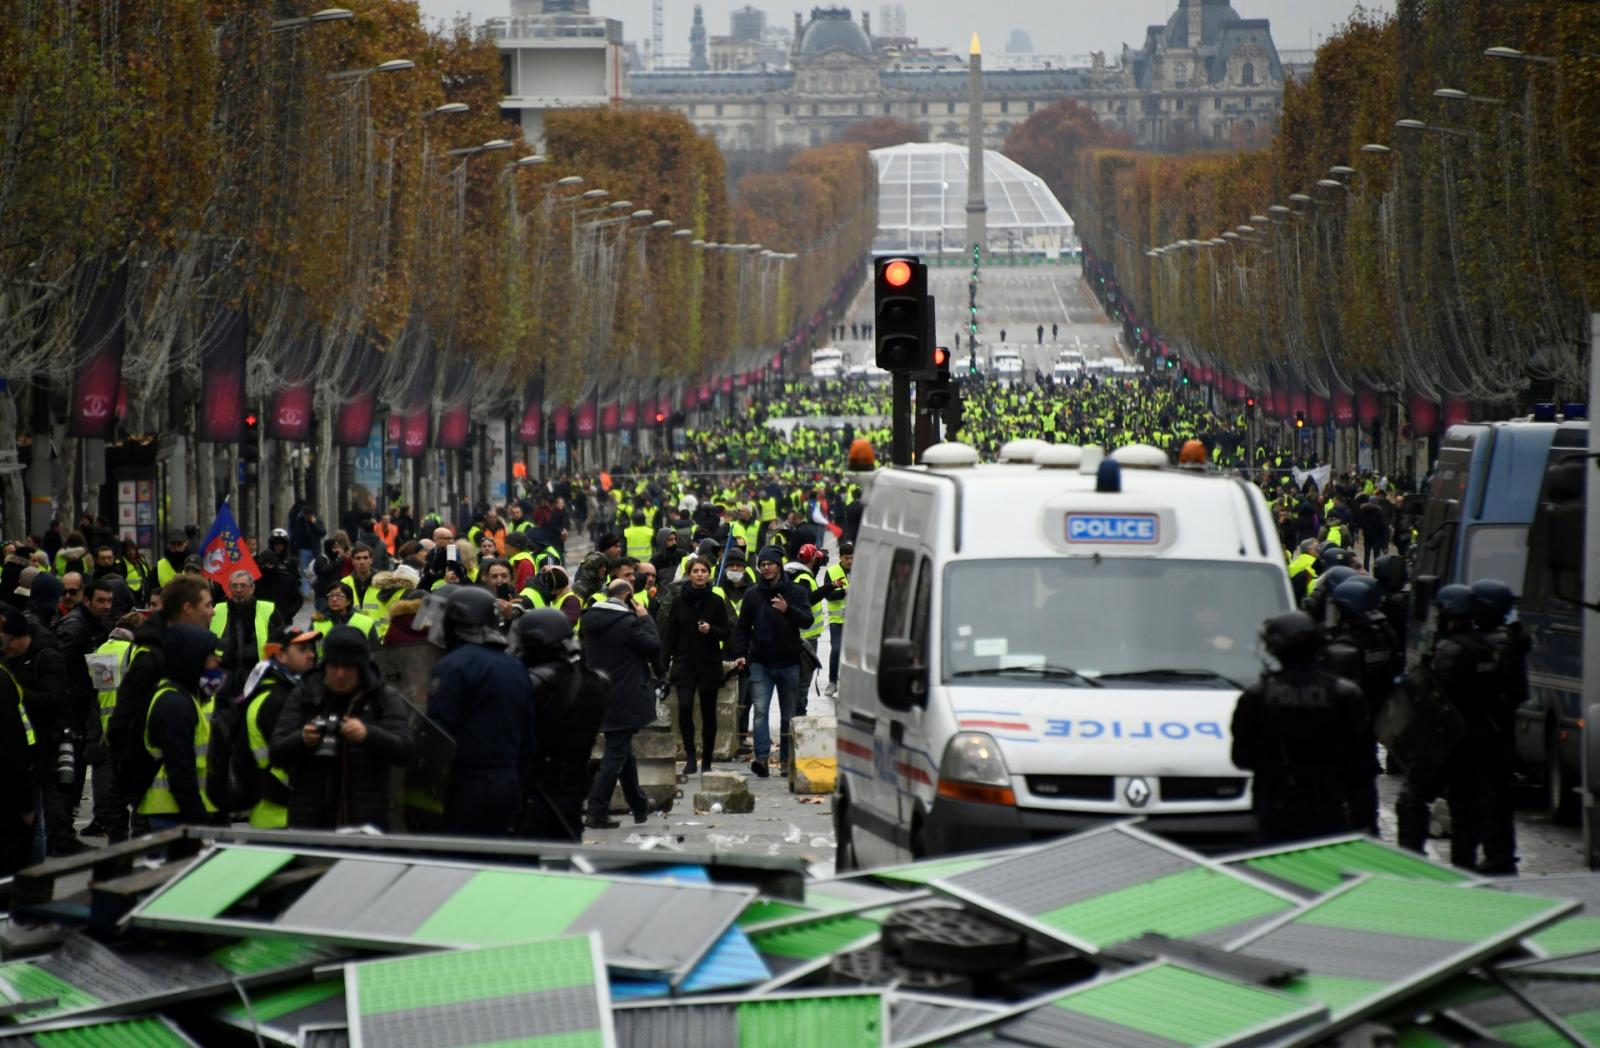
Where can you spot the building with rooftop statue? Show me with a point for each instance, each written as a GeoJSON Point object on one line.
{"type": "Point", "coordinates": [1205, 77]}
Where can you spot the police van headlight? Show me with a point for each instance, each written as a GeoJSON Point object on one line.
{"type": "Point", "coordinates": [973, 770]}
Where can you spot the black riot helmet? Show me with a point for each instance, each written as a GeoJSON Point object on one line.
{"type": "Point", "coordinates": [544, 635]}
{"type": "Point", "coordinates": [1292, 637]}
{"type": "Point", "coordinates": [1335, 557]}
{"type": "Point", "coordinates": [1454, 602]}
{"type": "Point", "coordinates": [1356, 596]}
{"type": "Point", "coordinates": [470, 617]}
{"type": "Point", "coordinates": [1391, 572]}
{"type": "Point", "coordinates": [1492, 601]}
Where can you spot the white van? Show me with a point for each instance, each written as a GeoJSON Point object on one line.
{"type": "Point", "coordinates": [1006, 364]}
{"type": "Point", "coordinates": [1069, 365]}
{"type": "Point", "coordinates": [826, 363]}
{"type": "Point", "coordinates": [1027, 656]}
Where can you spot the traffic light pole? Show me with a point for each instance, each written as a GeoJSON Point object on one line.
{"type": "Point", "coordinates": [900, 418]}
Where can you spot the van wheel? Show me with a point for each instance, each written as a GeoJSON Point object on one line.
{"type": "Point", "coordinates": [844, 850]}
{"type": "Point", "coordinates": [1561, 800]}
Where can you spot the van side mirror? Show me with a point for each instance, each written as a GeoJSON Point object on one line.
{"type": "Point", "coordinates": [1423, 589]}
{"type": "Point", "coordinates": [902, 681]}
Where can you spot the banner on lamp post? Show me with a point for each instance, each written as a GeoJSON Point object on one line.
{"type": "Point", "coordinates": [222, 362]}
{"type": "Point", "coordinates": [97, 385]}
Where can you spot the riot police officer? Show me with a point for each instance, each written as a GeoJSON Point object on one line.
{"type": "Point", "coordinates": [1362, 650]}
{"type": "Point", "coordinates": [1492, 604]}
{"type": "Point", "coordinates": [569, 703]}
{"type": "Point", "coordinates": [1316, 602]}
{"type": "Point", "coordinates": [1304, 733]}
{"type": "Point", "coordinates": [1464, 670]}
{"type": "Point", "coordinates": [1393, 577]}
{"type": "Point", "coordinates": [482, 697]}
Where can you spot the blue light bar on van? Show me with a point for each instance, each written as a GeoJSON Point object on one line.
{"type": "Point", "coordinates": [1544, 412]}
{"type": "Point", "coordinates": [1574, 412]}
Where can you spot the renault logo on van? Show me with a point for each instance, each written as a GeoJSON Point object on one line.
{"type": "Point", "coordinates": [1138, 529]}
{"type": "Point", "coordinates": [1137, 792]}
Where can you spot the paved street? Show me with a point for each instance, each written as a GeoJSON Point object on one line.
{"type": "Point", "coordinates": [1013, 300]}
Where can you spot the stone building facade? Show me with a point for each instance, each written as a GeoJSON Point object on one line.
{"type": "Point", "coordinates": [1168, 94]}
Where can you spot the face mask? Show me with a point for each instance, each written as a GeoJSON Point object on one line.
{"type": "Point", "coordinates": [211, 681]}
{"type": "Point", "coordinates": [735, 575]}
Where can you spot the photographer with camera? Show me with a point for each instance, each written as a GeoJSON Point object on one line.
{"type": "Point", "coordinates": [340, 732]}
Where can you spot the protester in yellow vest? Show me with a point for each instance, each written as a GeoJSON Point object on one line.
{"type": "Point", "coordinates": [177, 730]}
{"type": "Point", "coordinates": [638, 538]}
{"type": "Point", "coordinates": [244, 623]}
{"type": "Point", "coordinates": [170, 566]}
{"type": "Point", "coordinates": [341, 612]}
{"type": "Point", "coordinates": [291, 655]}
{"type": "Point", "coordinates": [836, 591]}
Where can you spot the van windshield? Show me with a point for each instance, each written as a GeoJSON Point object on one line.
{"type": "Point", "coordinates": [1105, 617]}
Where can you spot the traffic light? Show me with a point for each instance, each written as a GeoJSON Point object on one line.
{"type": "Point", "coordinates": [1299, 420]}
{"type": "Point", "coordinates": [251, 421]}
{"type": "Point", "coordinates": [935, 389]}
{"type": "Point", "coordinates": [1250, 402]}
{"type": "Point", "coordinates": [900, 331]}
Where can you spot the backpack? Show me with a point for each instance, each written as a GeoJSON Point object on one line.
{"type": "Point", "coordinates": [231, 767]}
{"type": "Point", "coordinates": [590, 575]}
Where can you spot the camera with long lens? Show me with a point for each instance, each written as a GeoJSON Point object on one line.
{"type": "Point", "coordinates": [66, 763]}
{"type": "Point", "coordinates": [328, 728]}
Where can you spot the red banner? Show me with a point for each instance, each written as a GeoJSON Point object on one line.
{"type": "Point", "coordinates": [561, 421]}
{"type": "Point", "coordinates": [455, 428]}
{"type": "Point", "coordinates": [530, 431]}
{"type": "Point", "coordinates": [289, 415]}
{"type": "Point", "coordinates": [412, 439]}
{"type": "Point", "coordinates": [630, 414]}
{"type": "Point", "coordinates": [352, 426]}
{"type": "Point", "coordinates": [1368, 407]}
{"type": "Point", "coordinates": [1457, 410]}
{"type": "Point", "coordinates": [92, 411]}
{"type": "Point", "coordinates": [727, 384]}
{"type": "Point", "coordinates": [221, 416]}
{"type": "Point", "coordinates": [1424, 415]}
{"type": "Point", "coordinates": [586, 420]}
{"type": "Point", "coordinates": [608, 417]}
{"type": "Point", "coordinates": [1317, 411]}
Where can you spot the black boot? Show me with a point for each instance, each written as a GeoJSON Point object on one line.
{"type": "Point", "coordinates": [689, 766]}
{"type": "Point", "coordinates": [599, 820]}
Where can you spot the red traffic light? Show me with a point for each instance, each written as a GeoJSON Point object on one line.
{"type": "Point", "coordinates": [661, 417]}
{"type": "Point", "coordinates": [941, 357]}
{"type": "Point", "coordinates": [250, 421]}
{"type": "Point", "coordinates": [897, 273]}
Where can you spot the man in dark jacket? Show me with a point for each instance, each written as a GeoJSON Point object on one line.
{"type": "Point", "coordinates": [482, 697]}
{"type": "Point", "coordinates": [19, 789]}
{"type": "Point", "coordinates": [52, 701]}
{"type": "Point", "coordinates": [340, 732]}
{"type": "Point", "coordinates": [80, 631]}
{"type": "Point", "coordinates": [621, 641]}
{"type": "Point", "coordinates": [767, 641]}
{"type": "Point", "coordinates": [177, 731]}
{"type": "Point", "coordinates": [667, 556]}
{"type": "Point", "coordinates": [278, 584]}
{"type": "Point", "coordinates": [570, 704]}
{"type": "Point", "coordinates": [185, 600]}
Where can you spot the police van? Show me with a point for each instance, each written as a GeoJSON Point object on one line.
{"type": "Point", "coordinates": [1042, 644]}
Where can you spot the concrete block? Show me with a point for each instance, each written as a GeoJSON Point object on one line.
{"type": "Point", "coordinates": [727, 741]}
{"type": "Point", "coordinates": [734, 796]}
{"type": "Point", "coordinates": [815, 767]}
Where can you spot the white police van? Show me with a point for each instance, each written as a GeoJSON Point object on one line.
{"type": "Point", "coordinates": [1032, 650]}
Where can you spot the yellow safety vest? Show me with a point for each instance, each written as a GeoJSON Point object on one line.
{"type": "Point", "coordinates": [264, 610]}
{"type": "Point", "coordinates": [534, 597]}
{"type": "Point", "coordinates": [769, 509]}
{"type": "Point", "coordinates": [266, 815]}
{"type": "Point", "coordinates": [808, 582]}
{"type": "Point", "coordinates": [158, 799]}
{"type": "Point", "coordinates": [1303, 563]}
{"type": "Point", "coordinates": [836, 575]}
{"type": "Point", "coordinates": [108, 699]}
{"type": "Point", "coordinates": [358, 620]}
{"type": "Point", "coordinates": [1335, 535]}
{"type": "Point", "coordinates": [165, 572]}
{"type": "Point", "coordinates": [369, 604]}
{"type": "Point", "coordinates": [639, 538]}
{"type": "Point", "coordinates": [22, 711]}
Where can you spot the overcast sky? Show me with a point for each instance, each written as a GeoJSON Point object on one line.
{"type": "Point", "coordinates": [1065, 27]}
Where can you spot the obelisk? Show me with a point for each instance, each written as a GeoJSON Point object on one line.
{"type": "Point", "coordinates": [977, 210]}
